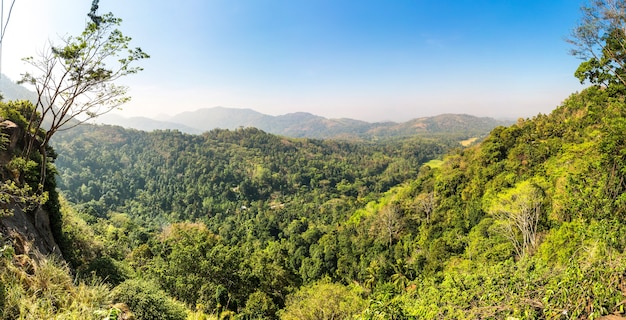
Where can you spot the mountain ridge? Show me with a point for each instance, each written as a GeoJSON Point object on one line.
{"type": "Point", "coordinates": [297, 124]}
{"type": "Point", "coordinates": [307, 125]}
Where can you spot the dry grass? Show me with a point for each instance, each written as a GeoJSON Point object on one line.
{"type": "Point", "coordinates": [468, 142]}
{"type": "Point", "coordinates": [45, 290]}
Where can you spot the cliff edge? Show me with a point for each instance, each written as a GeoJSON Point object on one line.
{"type": "Point", "coordinates": [27, 229]}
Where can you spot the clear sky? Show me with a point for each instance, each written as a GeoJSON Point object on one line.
{"type": "Point", "coordinates": [372, 60]}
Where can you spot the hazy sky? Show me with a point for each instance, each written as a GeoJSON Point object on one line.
{"type": "Point", "coordinates": [364, 59]}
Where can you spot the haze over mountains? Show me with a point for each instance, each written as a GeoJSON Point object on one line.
{"type": "Point", "coordinates": [297, 124]}
{"type": "Point", "coordinates": [303, 124]}
{"type": "Point", "coordinates": [12, 91]}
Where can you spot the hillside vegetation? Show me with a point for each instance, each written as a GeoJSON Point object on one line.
{"type": "Point", "coordinates": [169, 176]}
{"type": "Point", "coordinates": [245, 224]}
{"type": "Point", "coordinates": [527, 224]}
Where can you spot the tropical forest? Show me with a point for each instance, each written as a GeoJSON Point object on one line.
{"type": "Point", "coordinates": [519, 221]}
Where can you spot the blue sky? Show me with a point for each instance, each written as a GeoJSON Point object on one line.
{"type": "Point", "coordinates": [369, 60]}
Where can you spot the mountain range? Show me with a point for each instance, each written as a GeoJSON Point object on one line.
{"type": "Point", "coordinates": [10, 90]}
{"type": "Point", "coordinates": [303, 124]}
{"type": "Point", "coordinates": [297, 125]}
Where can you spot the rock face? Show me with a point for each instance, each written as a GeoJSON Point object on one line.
{"type": "Point", "coordinates": [28, 231]}
{"type": "Point", "coordinates": [13, 133]}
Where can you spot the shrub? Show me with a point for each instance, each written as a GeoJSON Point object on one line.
{"type": "Point", "coordinates": [109, 270]}
{"type": "Point", "coordinates": [260, 306]}
{"type": "Point", "coordinates": [323, 300]}
{"type": "Point", "coordinates": [146, 301]}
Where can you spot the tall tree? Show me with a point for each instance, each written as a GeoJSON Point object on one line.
{"type": "Point", "coordinates": [600, 40]}
{"type": "Point", "coordinates": [389, 224]}
{"type": "Point", "coordinates": [323, 300]}
{"type": "Point", "coordinates": [75, 81]}
{"type": "Point", "coordinates": [518, 211]}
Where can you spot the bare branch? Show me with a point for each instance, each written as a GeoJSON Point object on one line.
{"type": "Point", "coordinates": [600, 39]}
{"type": "Point", "coordinates": [74, 82]}
{"type": "Point", "coordinates": [518, 212]}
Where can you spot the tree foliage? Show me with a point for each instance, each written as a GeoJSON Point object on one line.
{"type": "Point", "coordinates": [600, 39]}
{"type": "Point", "coordinates": [148, 302]}
{"type": "Point", "coordinates": [75, 81]}
{"type": "Point", "coordinates": [518, 212]}
{"type": "Point", "coordinates": [323, 300]}
{"type": "Point", "coordinates": [527, 224]}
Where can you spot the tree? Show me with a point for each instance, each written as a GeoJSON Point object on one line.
{"type": "Point", "coordinates": [323, 300]}
{"type": "Point", "coordinates": [600, 39]}
{"type": "Point", "coordinates": [389, 224]}
{"type": "Point", "coordinates": [425, 203]}
{"type": "Point", "coordinates": [147, 301]}
{"type": "Point", "coordinates": [259, 306]}
{"type": "Point", "coordinates": [22, 196]}
{"type": "Point", "coordinates": [74, 82]}
{"type": "Point", "coordinates": [518, 211]}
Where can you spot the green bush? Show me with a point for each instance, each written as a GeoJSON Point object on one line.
{"type": "Point", "coordinates": [109, 270]}
{"type": "Point", "coordinates": [259, 306]}
{"type": "Point", "coordinates": [323, 300]}
{"type": "Point", "coordinates": [146, 301]}
{"type": "Point", "coordinates": [17, 111]}
{"type": "Point", "coordinates": [28, 170]}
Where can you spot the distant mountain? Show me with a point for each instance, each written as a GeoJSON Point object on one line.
{"type": "Point", "coordinates": [302, 124]}
{"type": "Point", "coordinates": [143, 123]}
{"type": "Point", "coordinates": [10, 90]}
{"type": "Point", "coordinates": [298, 124]}
{"type": "Point", "coordinates": [219, 117]}
{"type": "Point", "coordinates": [462, 124]}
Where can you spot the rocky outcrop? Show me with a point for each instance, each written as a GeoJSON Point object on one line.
{"type": "Point", "coordinates": [28, 231]}
{"type": "Point", "coordinates": [13, 133]}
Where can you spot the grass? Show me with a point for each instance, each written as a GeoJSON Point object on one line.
{"type": "Point", "coordinates": [435, 163]}
{"type": "Point", "coordinates": [468, 142]}
{"type": "Point", "coordinates": [42, 288]}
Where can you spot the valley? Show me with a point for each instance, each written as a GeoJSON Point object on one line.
{"type": "Point", "coordinates": [229, 213]}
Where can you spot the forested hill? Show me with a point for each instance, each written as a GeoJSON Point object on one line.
{"type": "Point", "coordinates": [302, 124]}
{"type": "Point", "coordinates": [528, 224]}
{"type": "Point", "coordinates": [242, 224]}
{"type": "Point", "coordinates": [170, 176]}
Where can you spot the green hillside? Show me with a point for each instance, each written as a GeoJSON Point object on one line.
{"type": "Point", "coordinates": [527, 224]}
{"type": "Point", "coordinates": [169, 176]}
